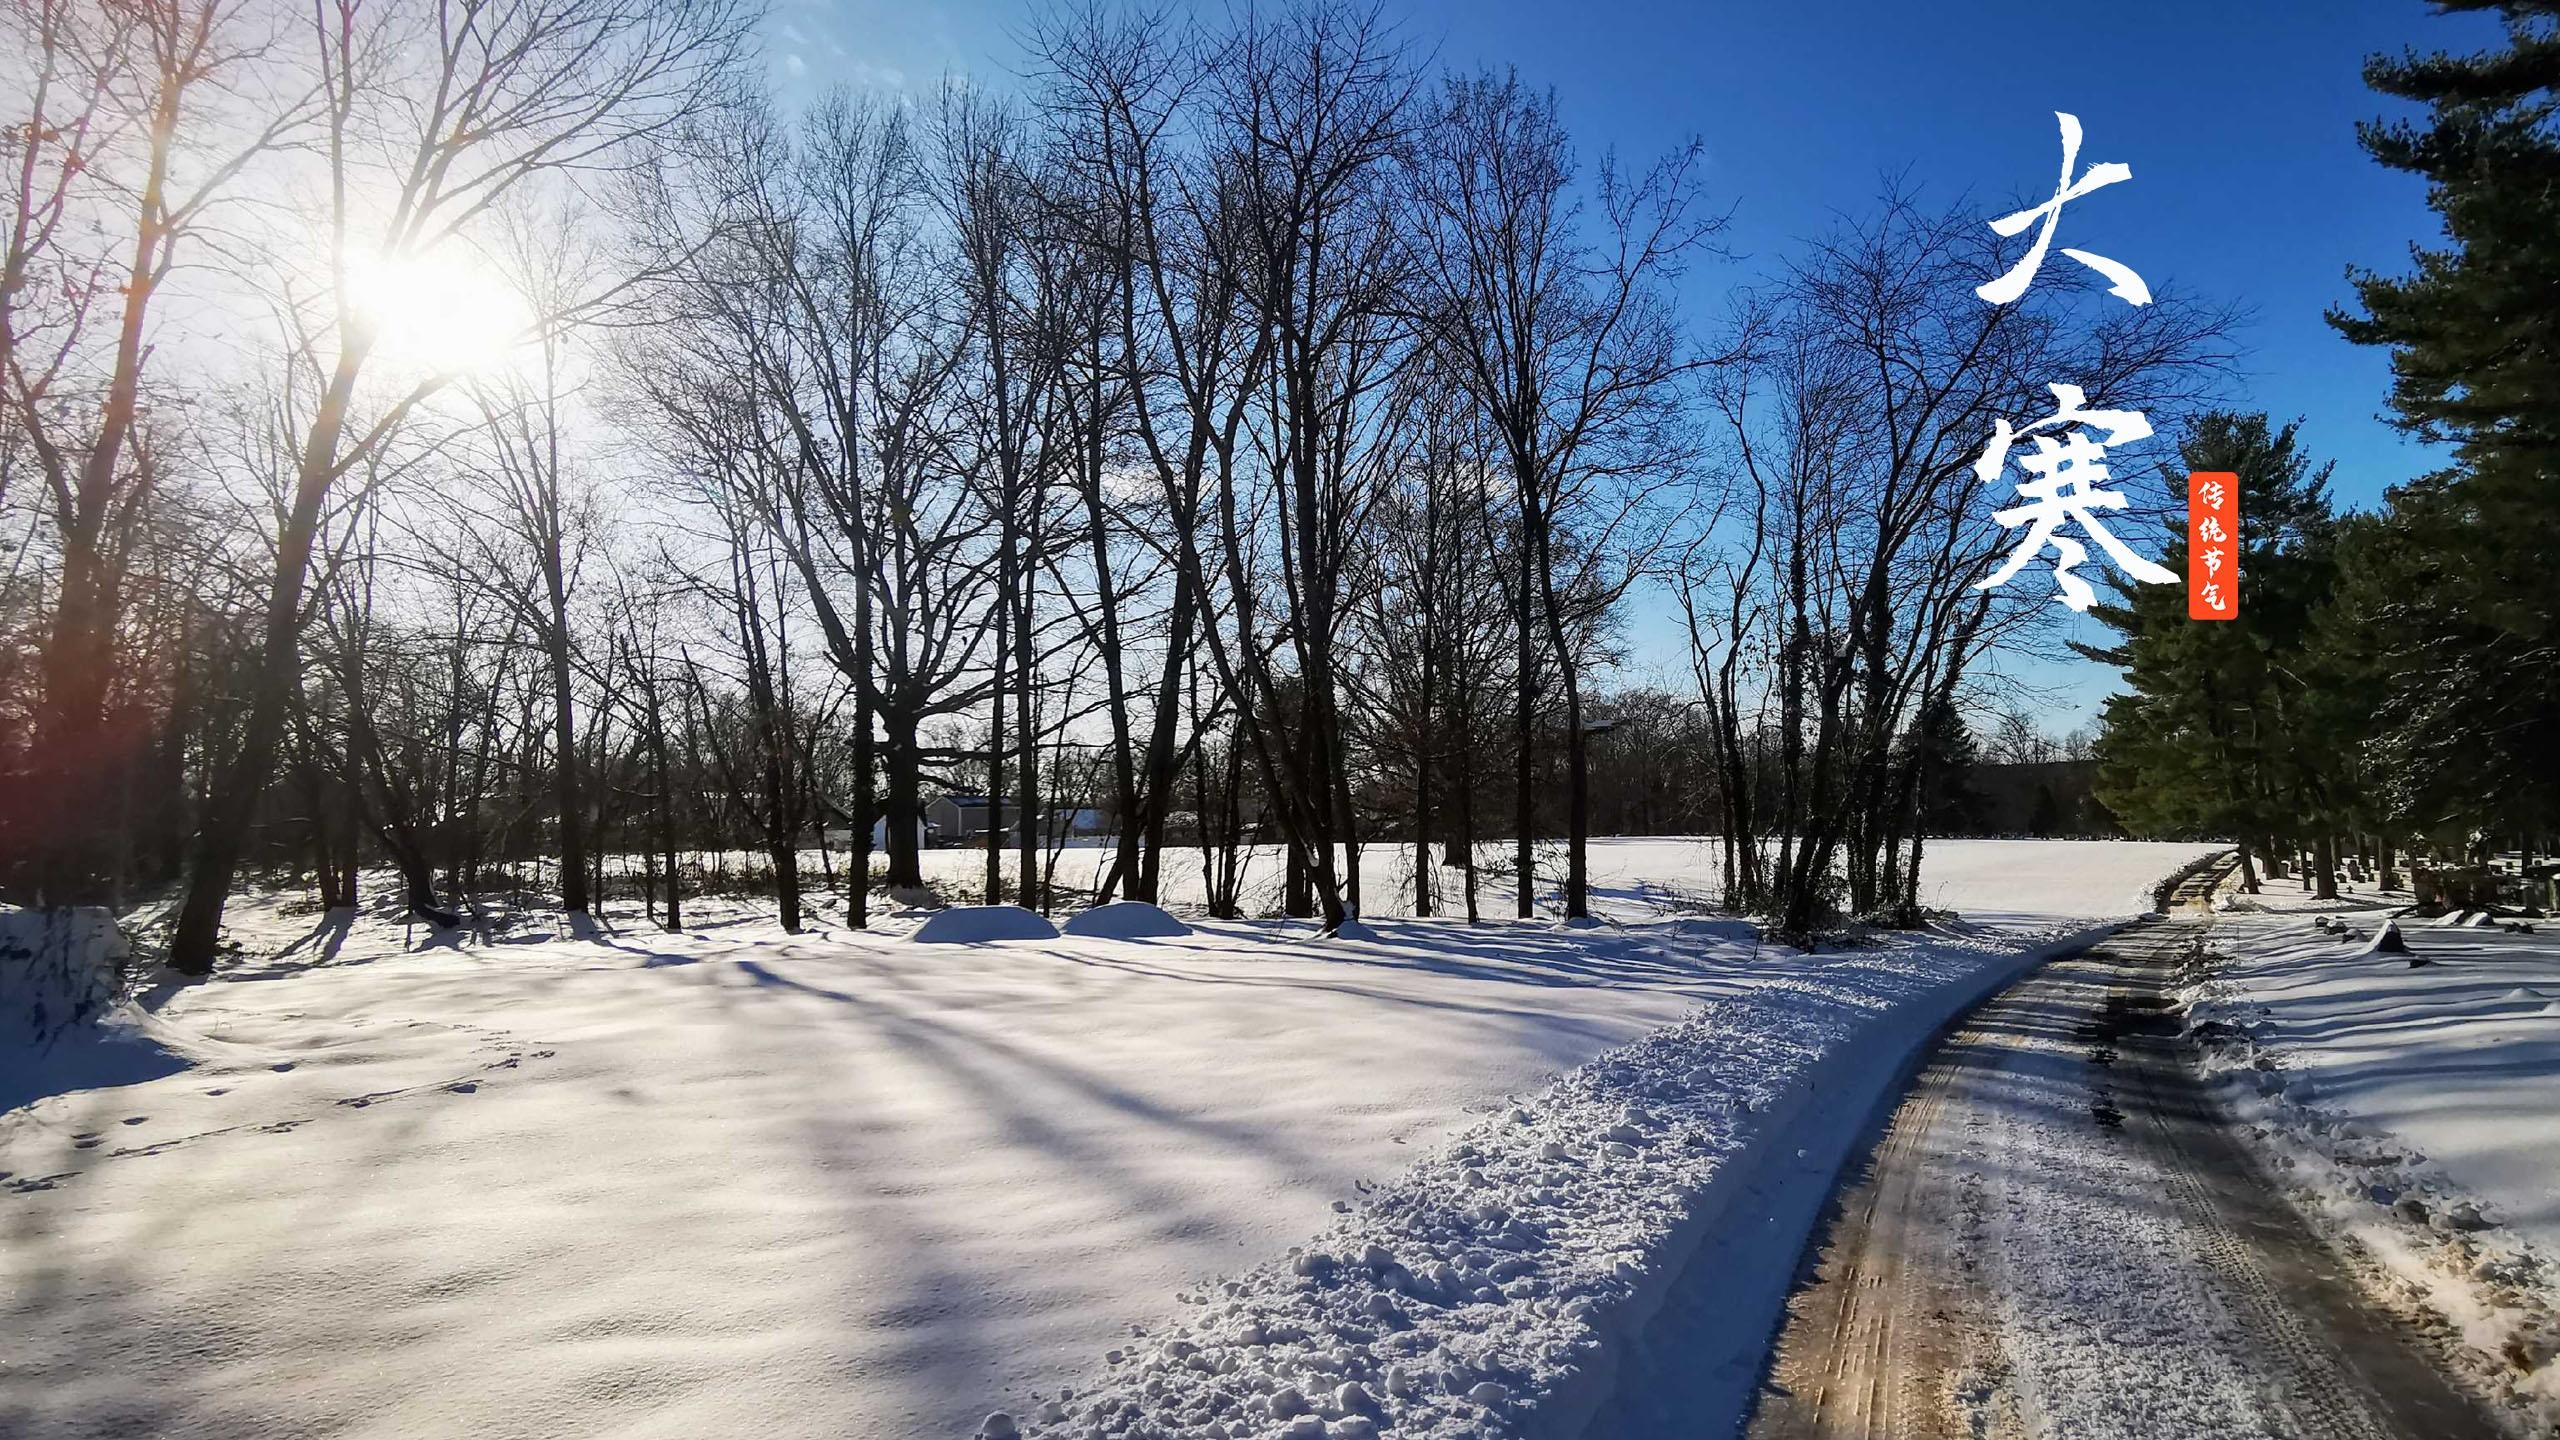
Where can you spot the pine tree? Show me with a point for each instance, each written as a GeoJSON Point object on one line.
{"type": "Point", "coordinates": [2460, 620]}
{"type": "Point", "coordinates": [2216, 733]}
{"type": "Point", "coordinates": [1944, 747]}
{"type": "Point", "coordinates": [2471, 361]}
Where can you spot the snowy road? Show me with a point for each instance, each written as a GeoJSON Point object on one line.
{"type": "Point", "coordinates": [2057, 1237]}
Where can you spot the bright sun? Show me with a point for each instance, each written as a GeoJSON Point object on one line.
{"type": "Point", "coordinates": [441, 313]}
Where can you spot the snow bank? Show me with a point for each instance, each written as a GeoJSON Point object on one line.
{"type": "Point", "coordinates": [62, 1028]}
{"type": "Point", "coordinates": [1126, 920]}
{"type": "Point", "coordinates": [1496, 1288]}
{"type": "Point", "coordinates": [2414, 1105]}
{"type": "Point", "coordinates": [972, 924]}
{"type": "Point", "coordinates": [58, 969]}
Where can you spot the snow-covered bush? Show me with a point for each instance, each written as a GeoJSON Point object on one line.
{"type": "Point", "coordinates": [58, 969]}
{"type": "Point", "coordinates": [975, 924]}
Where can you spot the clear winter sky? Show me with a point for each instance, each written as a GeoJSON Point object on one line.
{"type": "Point", "coordinates": [2237, 117]}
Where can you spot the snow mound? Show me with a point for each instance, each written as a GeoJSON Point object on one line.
{"type": "Point", "coordinates": [974, 924]}
{"type": "Point", "coordinates": [58, 969]}
{"type": "Point", "coordinates": [1126, 920]}
{"type": "Point", "coordinates": [61, 1027]}
{"type": "Point", "coordinates": [2386, 941]}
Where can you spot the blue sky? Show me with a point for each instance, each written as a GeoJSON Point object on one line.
{"type": "Point", "coordinates": [2237, 117]}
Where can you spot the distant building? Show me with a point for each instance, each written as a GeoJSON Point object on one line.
{"type": "Point", "coordinates": [837, 824]}
{"type": "Point", "coordinates": [964, 819]}
{"type": "Point", "coordinates": [880, 834]}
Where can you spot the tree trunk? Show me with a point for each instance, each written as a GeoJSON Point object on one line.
{"type": "Point", "coordinates": [666, 825]}
{"type": "Point", "coordinates": [857, 866]}
{"type": "Point", "coordinates": [1577, 874]}
{"type": "Point", "coordinates": [1422, 768]}
{"type": "Point", "coordinates": [1524, 764]}
{"type": "Point", "coordinates": [568, 795]}
{"type": "Point", "coordinates": [904, 812]}
{"type": "Point", "coordinates": [993, 840]}
{"type": "Point", "coordinates": [1026, 765]}
{"type": "Point", "coordinates": [1467, 835]}
{"type": "Point", "coordinates": [223, 831]}
{"type": "Point", "coordinates": [1162, 757]}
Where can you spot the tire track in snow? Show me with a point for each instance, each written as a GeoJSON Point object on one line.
{"type": "Point", "coordinates": [2119, 1267]}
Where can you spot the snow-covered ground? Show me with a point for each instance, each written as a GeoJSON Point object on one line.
{"type": "Point", "coordinates": [2416, 1108]}
{"type": "Point", "coordinates": [736, 1182]}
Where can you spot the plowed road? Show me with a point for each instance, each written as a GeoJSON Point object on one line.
{"type": "Point", "coordinates": [2055, 1236]}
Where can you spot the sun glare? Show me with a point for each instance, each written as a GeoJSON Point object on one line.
{"type": "Point", "coordinates": [444, 314]}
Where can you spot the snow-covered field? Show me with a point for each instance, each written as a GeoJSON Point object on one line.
{"type": "Point", "coordinates": [733, 1182]}
{"type": "Point", "coordinates": [2417, 1108]}
{"type": "Point", "coordinates": [1984, 879]}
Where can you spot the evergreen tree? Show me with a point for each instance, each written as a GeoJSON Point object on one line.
{"type": "Point", "coordinates": [2215, 734]}
{"type": "Point", "coordinates": [2469, 361]}
{"type": "Point", "coordinates": [1944, 748]}
{"type": "Point", "coordinates": [2459, 617]}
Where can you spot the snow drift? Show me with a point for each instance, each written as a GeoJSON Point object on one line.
{"type": "Point", "coordinates": [1499, 1287]}
{"type": "Point", "coordinates": [62, 1027]}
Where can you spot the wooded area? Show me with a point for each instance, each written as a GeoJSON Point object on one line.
{"type": "Point", "coordinates": [1246, 432]}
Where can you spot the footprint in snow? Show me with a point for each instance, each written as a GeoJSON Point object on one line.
{"type": "Point", "coordinates": [463, 1087]}
{"type": "Point", "coordinates": [281, 1066]}
{"type": "Point", "coordinates": [87, 1140]}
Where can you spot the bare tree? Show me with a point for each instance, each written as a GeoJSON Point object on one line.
{"type": "Point", "coordinates": [530, 465]}
{"type": "Point", "coordinates": [433, 119]}
{"type": "Point", "coordinates": [137, 122]}
{"type": "Point", "coordinates": [1569, 345]}
{"type": "Point", "coordinates": [1121, 93]}
{"type": "Point", "coordinates": [1012, 323]}
{"type": "Point", "coordinates": [1310, 108]}
{"type": "Point", "coordinates": [1866, 385]}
